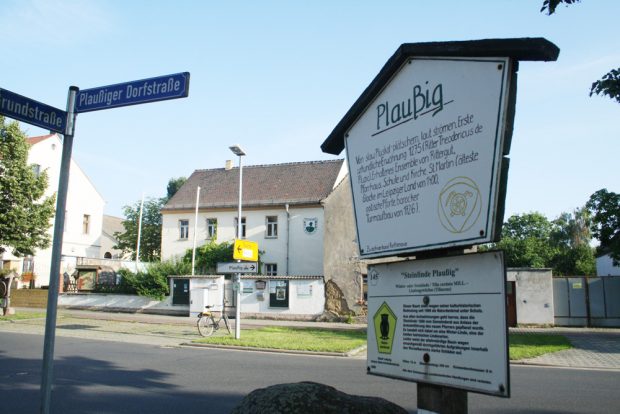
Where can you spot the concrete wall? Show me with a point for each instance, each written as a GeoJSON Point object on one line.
{"type": "Point", "coordinates": [306, 298]}
{"type": "Point", "coordinates": [305, 250]}
{"type": "Point", "coordinates": [340, 250]}
{"type": "Point", "coordinates": [120, 303]}
{"type": "Point", "coordinates": [534, 295]}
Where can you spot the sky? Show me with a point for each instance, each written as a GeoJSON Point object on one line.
{"type": "Point", "coordinates": [277, 76]}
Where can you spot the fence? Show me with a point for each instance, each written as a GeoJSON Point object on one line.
{"type": "Point", "coordinates": [581, 301]}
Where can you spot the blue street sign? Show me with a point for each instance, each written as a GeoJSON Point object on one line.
{"type": "Point", "coordinates": [132, 93]}
{"type": "Point", "coordinates": [32, 112]}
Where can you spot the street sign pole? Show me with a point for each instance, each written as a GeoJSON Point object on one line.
{"type": "Point", "coordinates": [238, 276]}
{"type": "Point", "coordinates": [59, 224]}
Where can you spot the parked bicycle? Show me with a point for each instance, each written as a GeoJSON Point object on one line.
{"type": "Point", "coordinates": [207, 322]}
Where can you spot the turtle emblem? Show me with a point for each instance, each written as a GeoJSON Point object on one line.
{"type": "Point", "coordinates": [457, 202]}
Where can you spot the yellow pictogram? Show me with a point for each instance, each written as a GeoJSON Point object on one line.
{"type": "Point", "coordinates": [384, 323]}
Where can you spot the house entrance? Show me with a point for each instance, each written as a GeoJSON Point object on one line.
{"type": "Point", "coordinates": [180, 292]}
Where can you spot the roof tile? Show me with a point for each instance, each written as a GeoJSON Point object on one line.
{"type": "Point", "coordinates": [263, 185]}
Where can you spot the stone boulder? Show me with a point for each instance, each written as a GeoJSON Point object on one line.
{"type": "Point", "coordinates": [310, 398]}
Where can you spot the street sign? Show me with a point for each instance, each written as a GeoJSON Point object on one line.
{"type": "Point", "coordinates": [234, 267]}
{"type": "Point", "coordinates": [32, 112]}
{"type": "Point", "coordinates": [132, 93]}
{"type": "Point", "coordinates": [440, 321]}
{"type": "Point", "coordinates": [426, 156]}
{"type": "Point", "coordinates": [245, 250]}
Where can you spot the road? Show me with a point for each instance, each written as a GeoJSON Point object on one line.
{"type": "Point", "coordinates": [94, 376]}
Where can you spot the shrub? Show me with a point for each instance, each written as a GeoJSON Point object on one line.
{"type": "Point", "coordinates": [152, 283]}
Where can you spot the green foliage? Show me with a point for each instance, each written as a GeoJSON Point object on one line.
{"type": "Point", "coordinates": [608, 85]}
{"type": "Point", "coordinates": [550, 5]}
{"type": "Point", "coordinates": [25, 215]}
{"type": "Point", "coordinates": [208, 255]}
{"type": "Point", "coordinates": [531, 240]}
{"type": "Point", "coordinates": [173, 186]}
{"type": "Point", "coordinates": [525, 241]}
{"type": "Point", "coordinates": [150, 239]}
{"type": "Point", "coordinates": [604, 206]}
{"type": "Point", "coordinates": [152, 283]}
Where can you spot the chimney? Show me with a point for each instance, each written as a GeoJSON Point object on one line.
{"type": "Point", "coordinates": [229, 165]}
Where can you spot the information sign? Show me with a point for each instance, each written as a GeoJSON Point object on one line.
{"type": "Point", "coordinates": [440, 321]}
{"type": "Point", "coordinates": [32, 112]}
{"type": "Point", "coordinates": [425, 156]}
{"type": "Point", "coordinates": [132, 93]}
{"type": "Point", "coordinates": [234, 267]}
{"type": "Point", "coordinates": [245, 250]}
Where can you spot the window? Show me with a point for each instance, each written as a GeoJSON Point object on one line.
{"type": "Point", "coordinates": [211, 228]}
{"type": "Point", "coordinates": [272, 227]}
{"type": "Point", "coordinates": [183, 229]}
{"type": "Point", "coordinates": [36, 169]}
{"type": "Point", "coordinates": [86, 224]}
{"type": "Point", "coordinates": [242, 227]}
{"type": "Point", "coordinates": [271, 269]}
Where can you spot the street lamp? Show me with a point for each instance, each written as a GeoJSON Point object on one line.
{"type": "Point", "coordinates": [236, 149]}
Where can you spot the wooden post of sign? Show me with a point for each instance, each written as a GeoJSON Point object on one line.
{"type": "Point", "coordinates": [438, 399]}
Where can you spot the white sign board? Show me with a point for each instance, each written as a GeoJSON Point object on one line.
{"type": "Point", "coordinates": [440, 321]}
{"type": "Point", "coordinates": [237, 267]}
{"type": "Point", "coordinates": [425, 156]}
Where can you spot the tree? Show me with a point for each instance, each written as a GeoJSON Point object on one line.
{"type": "Point", "coordinates": [604, 206]}
{"type": "Point", "coordinates": [25, 215]}
{"type": "Point", "coordinates": [571, 236]}
{"type": "Point", "coordinates": [208, 255]}
{"type": "Point", "coordinates": [526, 241]}
{"type": "Point", "coordinates": [609, 84]}
{"type": "Point", "coordinates": [173, 186]}
{"type": "Point", "coordinates": [531, 240]}
{"type": "Point", "coordinates": [150, 239]}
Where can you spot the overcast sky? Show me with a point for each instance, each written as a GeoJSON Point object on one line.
{"type": "Point", "coordinates": [277, 76]}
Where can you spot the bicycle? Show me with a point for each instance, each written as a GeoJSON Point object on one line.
{"type": "Point", "coordinates": [207, 323]}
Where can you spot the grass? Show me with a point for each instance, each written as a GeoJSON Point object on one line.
{"type": "Point", "coordinates": [297, 339]}
{"type": "Point", "coordinates": [22, 315]}
{"type": "Point", "coordinates": [524, 346]}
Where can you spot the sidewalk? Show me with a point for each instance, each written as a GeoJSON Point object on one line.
{"type": "Point", "coordinates": [597, 348]}
{"type": "Point", "coordinates": [594, 348]}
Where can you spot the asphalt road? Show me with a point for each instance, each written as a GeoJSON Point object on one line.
{"type": "Point", "coordinates": [93, 376]}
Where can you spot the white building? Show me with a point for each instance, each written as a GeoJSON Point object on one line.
{"type": "Point", "coordinates": [83, 215]}
{"type": "Point", "coordinates": [282, 212]}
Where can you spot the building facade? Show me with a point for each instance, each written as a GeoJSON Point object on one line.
{"type": "Point", "coordinates": [83, 215]}
{"type": "Point", "coordinates": [281, 211]}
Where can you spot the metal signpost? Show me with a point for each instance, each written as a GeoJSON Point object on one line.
{"type": "Point", "coordinates": [426, 147]}
{"type": "Point", "coordinates": [133, 93]}
{"type": "Point", "coordinates": [32, 112]}
{"type": "Point", "coordinates": [44, 116]}
{"type": "Point", "coordinates": [237, 267]}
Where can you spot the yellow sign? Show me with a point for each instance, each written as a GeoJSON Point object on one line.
{"type": "Point", "coordinates": [245, 250]}
{"type": "Point", "coordinates": [384, 323]}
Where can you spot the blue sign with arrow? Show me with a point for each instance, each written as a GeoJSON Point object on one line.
{"type": "Point", "coordinates": [133, 93]}
{"type": "Point", "coordinates": [32, 112]}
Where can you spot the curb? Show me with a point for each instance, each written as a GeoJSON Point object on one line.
{"type": "Point", "coordinates": [276, 351]}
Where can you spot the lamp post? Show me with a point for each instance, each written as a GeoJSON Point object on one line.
{"type": "Point", "coordinates": [236, 149]}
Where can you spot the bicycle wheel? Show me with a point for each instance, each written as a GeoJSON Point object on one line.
{"type": "Point", "coordinates": [205, 326]}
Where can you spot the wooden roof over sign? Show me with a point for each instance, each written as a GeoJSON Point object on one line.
{"type": "Point", "coordinates": [527, 49]}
